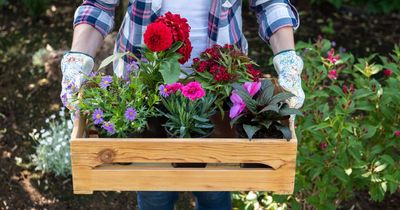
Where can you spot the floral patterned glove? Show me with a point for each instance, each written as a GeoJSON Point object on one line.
{"type": "Point", "coordinates": [74, 67]}
{"type": "Point", "coordinates": [288, 65]}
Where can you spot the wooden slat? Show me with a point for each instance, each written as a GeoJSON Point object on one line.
{"type": "Point", "coordinates": [128, 178]}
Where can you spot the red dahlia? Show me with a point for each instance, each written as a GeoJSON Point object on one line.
{"type": "Point", "coordinates": [185, 51]}
{"type": "Point", "coordinates": [158, 37]}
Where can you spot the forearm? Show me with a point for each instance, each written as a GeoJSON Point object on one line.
{"type": "Point", "coordinates": [86, 39]}
{"type": "Point", "coordinates": [282, 40]}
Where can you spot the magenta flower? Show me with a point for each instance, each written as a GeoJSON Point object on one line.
{"type": "Point", "coordinates": [397, 133]}
{"type": "Point", "coordinates": [130, 114]}
{"type": "Point", "coordinates": [387, 72]}
{"type": "Point", "coordinates": [109, 127]}
{"type": "Point", "coordinates": [105, 82]}
{"type": "Point", "coordinates": [332, 74]}
{"type": "Point", "coordinates": [97, 116]}
{"type": "Point", "coordinates": [238, 105]}
{"type": "Point", "coordinates": [252, 87]}
{"type": "Point", "coordinates": [332, 57]}
{"type": "Point", "coordinates": [163, 91]}
{"type": "Point", "coordinates": [193, 91]}
{"type": "Point", "coordinates": [173, 88]}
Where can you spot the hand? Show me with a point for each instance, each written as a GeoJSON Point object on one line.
{"type": "Point", "coordinates": [74, 66]}
{"type": "Point", "coordinates": [288, 65]}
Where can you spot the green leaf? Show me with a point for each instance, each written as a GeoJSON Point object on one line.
{"type": "Point", "coordinates": [280, 97]}
{"type": "Point", "coordinates": [170, 71]}
{"type": "Point", "coordinates": [337, 90]}
{"type": "Point", "coordinates": [250, 130]}
{"type": "Point", "coordinates": [111, 58]}
{"type": "Point", "coordinates": [271, 107]}
{"type": "Point", "coordinates": [287, 134]}
{"type": "Point", "coordinates": [290, 111]}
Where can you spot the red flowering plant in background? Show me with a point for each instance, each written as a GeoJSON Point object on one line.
{"type": "Point", "coordinates": [167, 45]}
{"type": "Point", "coordinates": [220, 66]}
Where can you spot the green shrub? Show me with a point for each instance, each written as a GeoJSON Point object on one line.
{"type": "Point", "coordinates": [52, 149]}
{"type": "Point", "coordinates": [349, 138]}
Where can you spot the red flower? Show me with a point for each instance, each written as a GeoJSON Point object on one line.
{"type": "Point", "coordinates": [179, 26]}
{"type": "Point", "coordinates": [185, 51]}
{"type": "Point", "coordinates": [323, 145]}
{"type": "Point", "coordinates": [202, 66]}
{"type": "Point", "coordinates": [212, 52]}
{"type": "Point", "coordinates": [158, 37]}
{"type": "Point", "coordinates": [256, 74]}
{"type": "Point", "coordinates": [387, 72]}
{"type": "Point", "coordinates": [397, 133]}
{"type": "Point", "coordinates": [332, 57]}
{"type": "Point", "coordinates": [220, 73]}
{"type": "Point", "coordinates": [332, 74]}
{"type": "Point", "coordinates": [172, 88]}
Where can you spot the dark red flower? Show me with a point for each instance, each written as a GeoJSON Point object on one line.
{"type": "Point", "coordinates": [202, 66]}
{"type": "Point", "coordinates": [323, 145]}
{"type": "Point", "coordinates": [348, 90]}
{"type": "Point", "coordinates": [256, 74]}
{"type": "Point", "coordinates": [185, 51]}
{"type": "Point", "coordinates": [387, 72]}
{"type": "Point", "coordinates": [158, 37]}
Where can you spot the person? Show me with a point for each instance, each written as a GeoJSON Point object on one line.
{"type": "Point", "coordinates": [212, 22]}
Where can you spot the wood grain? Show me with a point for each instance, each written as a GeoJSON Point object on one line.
{"type": "Point", "coordinates": [92, 169]}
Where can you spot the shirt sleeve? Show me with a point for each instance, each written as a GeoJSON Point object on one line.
{"type": "Point", "coordinates": [273, 15]}
{"type": "Point", "coordinates": [97, 13]}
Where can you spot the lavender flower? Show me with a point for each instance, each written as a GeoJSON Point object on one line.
{"type": "Point", "coordinates": [72, 88]}
{"type": "Point", "coordinates": [163, 91]}
{"type": "Point", "coordinates": [64, 99]}
{"type": "Point", "coordinates": [97, 116]}
{"type": "Point", "coordinates": [93, 74]}
{"type": "Point", "coordinates": [109, 127]}
{"type": "Point", "coordinates": [130, 114]}
{"type": "Point", "coordinates": [106, 81]}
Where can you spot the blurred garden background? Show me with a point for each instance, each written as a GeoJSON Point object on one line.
{"type": "Point", "coordinates": [349, 137]}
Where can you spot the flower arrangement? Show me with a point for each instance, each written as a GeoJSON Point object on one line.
{"type": "Point", "coordinates": [220, 66]}
{"type": "Point", "coordinates": [167, 45]}
{"type": "Point", "coordinates": [188, 109]}
{"type": "Point", "coordinates": [257, 112]}
{"type": "Point", "coordinates": [116, 106]}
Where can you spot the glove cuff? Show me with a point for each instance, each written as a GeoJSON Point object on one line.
{"type": "Point", "coordinates": [78, 61]}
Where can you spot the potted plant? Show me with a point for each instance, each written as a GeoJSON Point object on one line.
{"type": "Point", "coordinates": [217, 69]}
{"type": "Point", "coordinates": [188, 110]}
{"type": "Point", "coordinates": [117, 107]}
{"type": "Point", "coordinates": [257, 112]}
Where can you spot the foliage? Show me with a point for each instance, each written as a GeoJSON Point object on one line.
{"type": "Point", "coordinates": [118, 105]}
{"type": "Point", "coordinates": [218, 67]}
{"type": "Point", "coordinates": [188, 118]}
{"type": "Point", "coordinates": [349, 135]}
{"type": "Point", "coordinates": [263, 109]}
{"type": "Point", "coordinates": [52, 149]}
{"type": "Point", "coordinates": [36, 7]}
{"type": "Point", "coordinates": [373, 6]}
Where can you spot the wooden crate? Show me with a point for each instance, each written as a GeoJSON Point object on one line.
{"type": "Point", "coordinates": [94, 168]}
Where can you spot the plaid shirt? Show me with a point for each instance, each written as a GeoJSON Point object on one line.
{"type": "Point", "coordinates": [224, 20]}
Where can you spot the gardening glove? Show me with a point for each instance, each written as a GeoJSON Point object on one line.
{"type": "Point", "coordinates": [288, 65]}
{"type": "Point", "coordinates": [74, 67]}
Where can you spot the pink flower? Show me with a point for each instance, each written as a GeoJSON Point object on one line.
{"type": "Point", "coordinates": [332, 74]}
{"type": "Point", "coordinates": [252, 87]}
{"type": "Point", "coordinates": [238, 105]}
{"type": "Point", "coordinates": [193, 91]}
{"type": "Point", "coordinates": [397, 133]}
{"type": "Point", "coordinates": [172, 88]}
{"type": "Point", "coordinates": [387, 72]}
{"type": "Point", "coordinates": [332, 57]}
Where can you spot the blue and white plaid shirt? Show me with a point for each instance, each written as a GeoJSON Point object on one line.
{"type": "Point", "coordinates": [224, 20]}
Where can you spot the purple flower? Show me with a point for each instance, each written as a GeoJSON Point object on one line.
{"type": "Point", "coordinates": [130, 114]}
{"type": "Point", "coordinates": [93, 74]}
{"type": "Point", "coordinates": [163, 91]}
{"type": "Point", "coordinates": [97, 116]}
{"type": "Point", "coordinates": [72, 88]}
{"type": "Point", "coordinates": [252, 87]}
{"type": "Point", "coordinates": [238, 105]}
{"type": "Point", "coordinates": [109, 127]}
{"type": "Point", "coordinates": [64, 99]}
{"type": "Point", "coordinates": [106, 81]}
